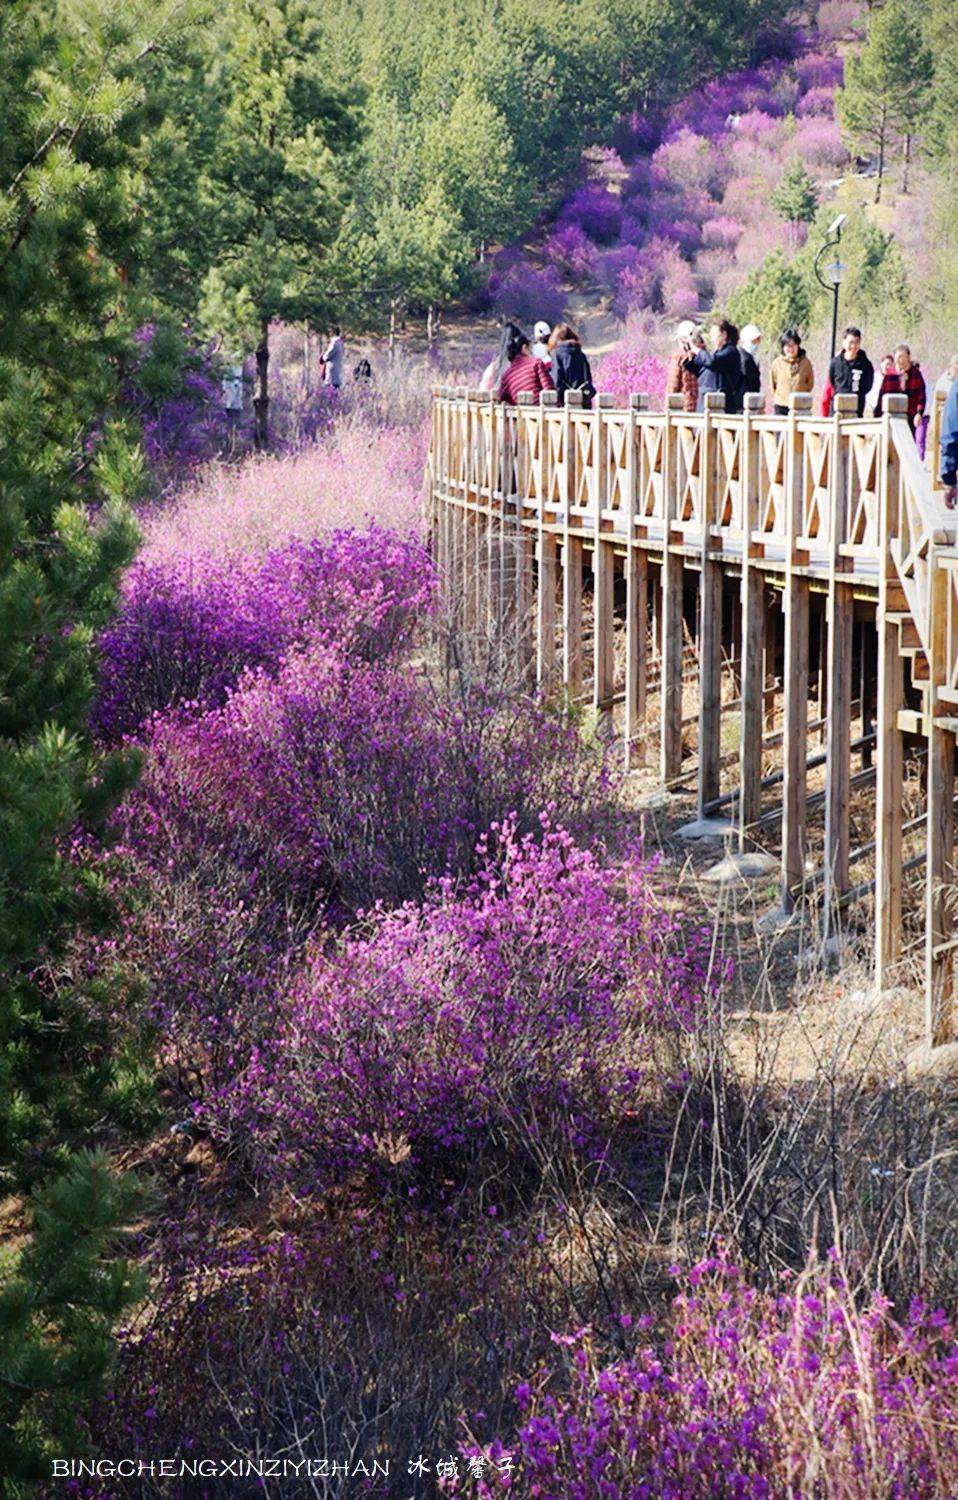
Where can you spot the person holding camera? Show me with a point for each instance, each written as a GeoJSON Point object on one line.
{"type": "Point", "coordinates": [719, 369]}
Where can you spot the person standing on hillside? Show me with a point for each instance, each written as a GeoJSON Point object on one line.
{"type": "Point", "coordinates": [949, 438]}
{"type": "Point", "coordinates": [541, 346]}
{"type": "Point", "coordinates": [904, 379]}
{"type": "Point", "coordinates": [569, 368]}
{"type": "Point", "coordinates": [333, 360]}
{"type": "Point", "coordinates": [851, 372]}
{"type": "Point", "coordinates": [749, 348]}
{"type": "Point", "coordinates": [680, 381]}
{"type": "Point", "coordinates": [791, 371]}
{"type": "Point", "coordinates": [720, 369]}
{"type": "Point", "coordinates": [524, 372]}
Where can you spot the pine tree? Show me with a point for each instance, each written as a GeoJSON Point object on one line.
{"type": "Point", "coordinates": [70, 93]}
{"type": "Point", "coordinates": [774, 295]}
{"type": "Point", "coordinates": [886, 86]}
{"type": "Point", "coordinates": [795, 199]}
{"type": "Point", "coordinates": [271, 176]}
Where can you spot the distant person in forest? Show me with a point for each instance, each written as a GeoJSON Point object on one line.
{"type": "Point", "coordinates": [949, 438]}
{"type": "Point", "coordinates": [749, 348]}
{"type": "Point", "coordinates": [541, 335]}
{"type": "Point", "coordinates": [569, 368]}
{"type": "Point", "coordinates": [524, 372]}
{"type": "Point", "coordinates": [904, 379]}
{"type": "Point", "coordinates": [495, 369]}
{"type": "Point", "coordinates": [680, 381]}
{"type": "Point", "coordinates": [851, 372]}
{"type": "Point", "coordinates": [791, 371]}
{"type": "Point", "coordinates": [719, 369]}
{"type": "Point", "coordinates": [333, 360]}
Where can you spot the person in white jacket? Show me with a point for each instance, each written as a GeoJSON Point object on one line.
{"type": "Point", "coordinates": [333, 360]}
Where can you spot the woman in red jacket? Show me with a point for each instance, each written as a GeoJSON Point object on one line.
{"type": "Point", "coordinates": [524, 372]}
{"type": "Point", "coordinates": [905, 379]}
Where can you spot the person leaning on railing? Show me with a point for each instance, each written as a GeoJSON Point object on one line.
{"type": "Point", "coordinates": [949, 438]}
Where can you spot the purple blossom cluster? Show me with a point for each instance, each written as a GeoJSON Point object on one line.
{"type": "Point", "coordinates": [747, 1394]}
{"type": "Point", "coordinates": [189, 626]}
{"type": "Point", "coordinates": [494, 1010]}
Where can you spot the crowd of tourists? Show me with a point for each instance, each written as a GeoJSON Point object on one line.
{"type": "Point", "coordinates": [728, 361]}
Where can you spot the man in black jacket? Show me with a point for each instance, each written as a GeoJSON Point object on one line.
{"type": "Point", "coordinates": [720, 370]}
{"type": "Point", "coordinates": [851, 372]}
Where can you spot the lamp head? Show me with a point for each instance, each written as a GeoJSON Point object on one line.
{"type": "Point", "coordinates": [835, 271]}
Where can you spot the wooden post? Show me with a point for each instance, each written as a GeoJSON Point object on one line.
{"type": "Point", "coordinates": [673, 580]}
{"type": "Point", "coordinates": [890, 748]}
{"type": "Point", "coordinates": [753, 632]}
{"type": "Point", "coordinates": [571, 562]}
{"type": "Point", "coordinates": [840, 613]}
{"type": "Point", "coordinates": [547, 558]}
{"type": "Point", "coordinates": [796, 665]}
{"type": "Point", "coordinates": [636, 603]}
{"type": "Point", "coordinates": [710, 619]}
{"type": "Point", "coordinates": [603, 572]}
{"type": "Point", "coordinates": [525, 544]}
{"type": "Point", "coordinates": [940, 1019]}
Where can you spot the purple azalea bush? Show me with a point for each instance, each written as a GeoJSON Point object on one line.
{"type": "Point", "coordinates": [189, 626]}
{"type": "Point", "coordinates": [482, 1018]}
{"type": "Point", "coordinates": [748, 1394]}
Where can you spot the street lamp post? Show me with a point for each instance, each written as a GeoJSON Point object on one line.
{"type": "Point", "coordinates": [834, 271]}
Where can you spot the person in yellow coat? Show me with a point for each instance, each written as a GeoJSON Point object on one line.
{"type": "Point", "coordinates": [791, 371]}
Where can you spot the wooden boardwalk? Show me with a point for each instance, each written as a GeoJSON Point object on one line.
{"type": "Point", "coordinates": [795, 574]}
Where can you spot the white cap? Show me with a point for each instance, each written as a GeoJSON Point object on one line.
{"type": "Point", "coordinates": [750, 334]}
{"type": "Point", "coordinates": [685, 330]}
{"type": "Point", "coordinates": [541, 331]}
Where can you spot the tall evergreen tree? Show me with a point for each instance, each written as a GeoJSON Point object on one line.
{"type": "Point", "coordinates": [272, 180]}
{"type": "Point", "coordinates": [70, 94]}
{"type": "Point", "coordinates": [886, 86]}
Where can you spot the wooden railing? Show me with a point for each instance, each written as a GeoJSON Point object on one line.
{"type": "Point", "coordinates": [799, 504]}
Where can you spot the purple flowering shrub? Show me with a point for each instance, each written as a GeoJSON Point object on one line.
{"type": "Point", "coordinates": [173, 386]}
{"type": "Point", "coordinates": [594, 210]}
{"type": "Point", "coordinates": [526, 293]}
{"type": "Point", "coordinates": [341, 780]}
{"type": "Point", "coordinates": [482, 1018]}
{"type": "Point", "coordinates": [746, 1393]}
{"type": "Point", "coordinates": [631, 368]}
{"type": "Point", "coordinates": [189, 626]}
{"type": "Point", "coordinates": [570, 249]}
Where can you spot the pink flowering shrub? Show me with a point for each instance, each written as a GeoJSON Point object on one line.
{"type": "Point", "coordinates": [188, 627]}
{"type": "Point", "coordinates": [819, 143]}
{"type": "Point", "coordinates": [746, 1393]}
{"type": "Point", "coordinates": [487, 1014]}
{"type": "Point", "coordinates": [631, 368]}
{"type": "Point", "coordinates": [690, 160]}
{"type": "Point", "coordinates": [721, 232]}
{"type": "Point", "coordinates": [817, 101]}
{"type": "Point", "coordinates": [365, 472]}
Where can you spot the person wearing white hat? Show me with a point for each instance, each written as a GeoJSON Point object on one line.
{"type": "Point", "coordinates": [678, 380]}
{"type": "Point", "coordinates": [749, 347]}
{"type": "Point", "coordinates": [540, 345]}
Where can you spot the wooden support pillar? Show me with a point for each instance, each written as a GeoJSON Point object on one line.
{"type": "Point", "coordinates": [603, 602]}
{"type": "Point", "coordinates": [636, 603]}
{"type": "Point", "coordinates": [796, 666]}
{"type": "Point", "coordinates": [546, 554]}
{"type": "Point", "coordinates": [752, 690]}
{"type": "Point", "coordinates": [525, 550]}
{"type": "Point", "coordinates": [673, 582]}
{"type": "Point", "coordinates": [840, 615]}
{"type": "Point", "coordinates": [546, 609]}
{"type": "Point", "coordinates": [572, 559]}
{"type": "Point", "coordinates": [772, 623]}
{"type": "Point", "coordinates": [710, 619]}
{"type": "Point", "coordinates": [890, 767]}
{"type": "Point", "coordinates": [940, 1018]}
